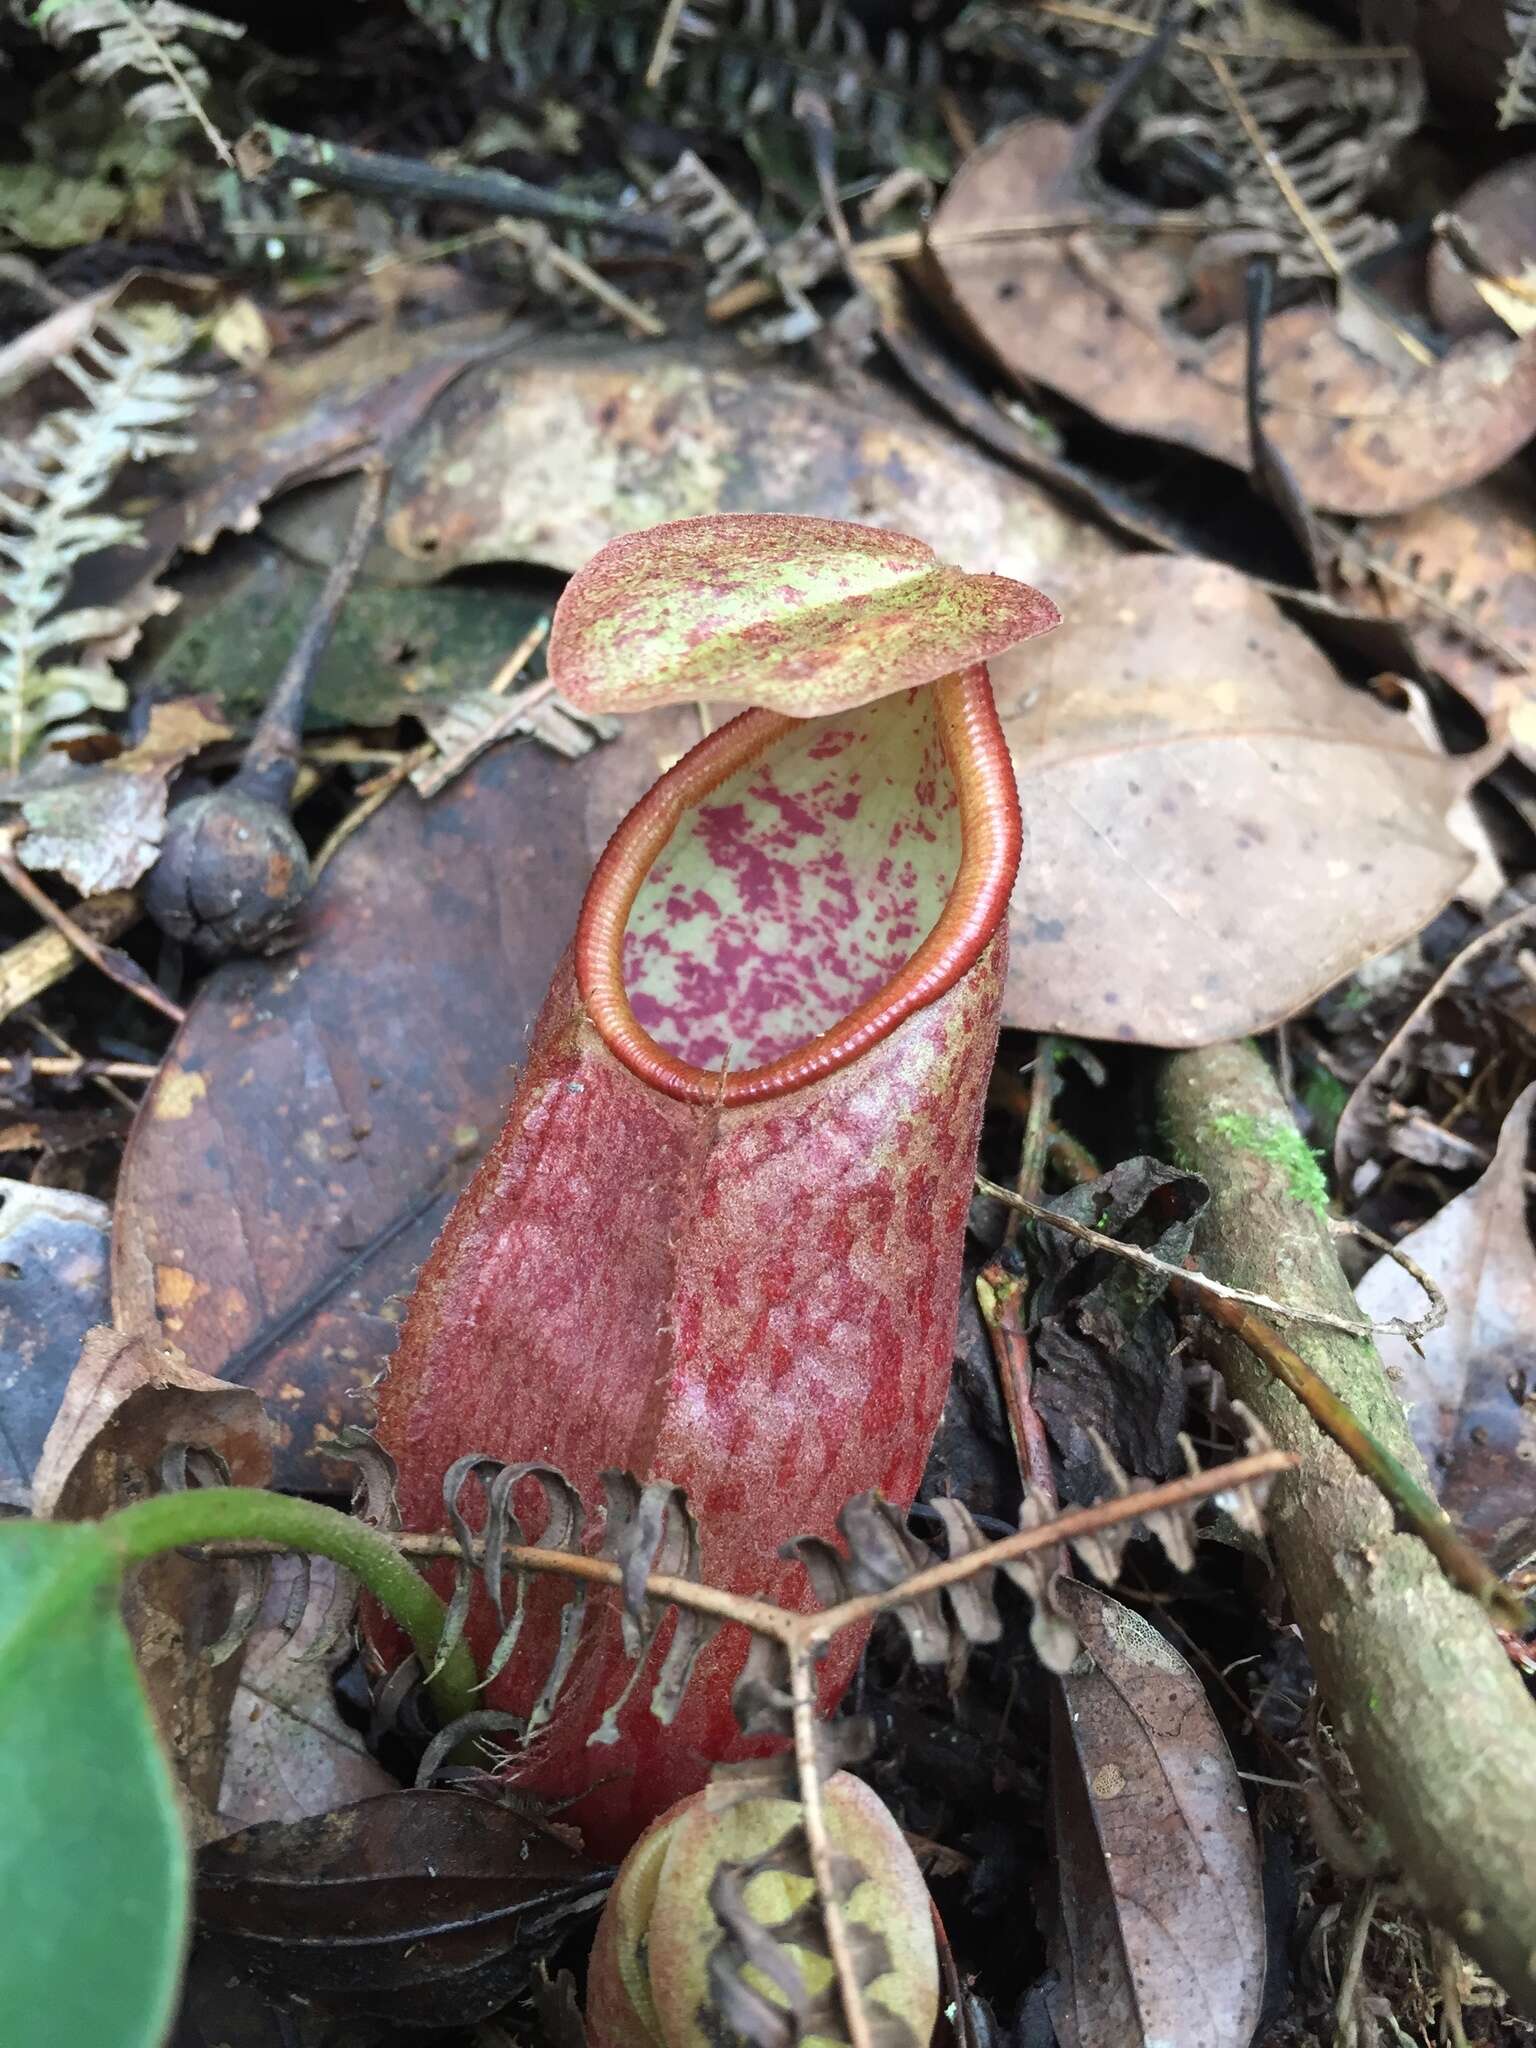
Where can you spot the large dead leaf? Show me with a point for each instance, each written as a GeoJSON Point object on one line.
{"type": "Point", "coordinates": [53, 1266]}
{"type": "Point", "coordinates": [542, 456]}
{"type": "Point", "coordinates": [1161, 1935]}
{"type": "Point", "coordinates": [319, 1112]}
{"type": "Point", "coordinates": [1088, 315]}
{"type": "Point", "coordinates": [127, 1403]}
{"type": "Point", "coordinates": [1215, 827]}
{"type": "Point", "coordinates": [1468, 1386]}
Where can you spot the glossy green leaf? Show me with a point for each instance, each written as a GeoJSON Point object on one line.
{"type": "Point", "coordinates": [93, 1861]}
{"type": "Point", "coordinates": [803, 616]}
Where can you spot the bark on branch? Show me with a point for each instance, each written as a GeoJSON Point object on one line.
{"type": "Point", "coordinates": [1431, 1712]}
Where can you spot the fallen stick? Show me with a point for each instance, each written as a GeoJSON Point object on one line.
{"type": "Point", "coordinates": [1429, 1708]}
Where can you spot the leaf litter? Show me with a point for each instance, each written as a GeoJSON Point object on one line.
{"type": "Point", "coordinates": [1231, 826]}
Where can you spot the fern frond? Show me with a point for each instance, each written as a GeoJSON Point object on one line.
{"type": "Point", "coordinates": [736, 64]}
{"type": "Point", "coordinates": [133, 395]}
{"type": "Point", "coordinates": [1517, 102]}
{"type": "Point", "coordinates": [143, 38]}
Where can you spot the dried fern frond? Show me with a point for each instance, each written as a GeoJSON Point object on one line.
{"type": "Point", "coordinates": [1299, 125]}
{"type": "Point", "coordinates": [1517, 101]}
{"type": "Point", "coordinates": [133, 395]}
{"type": "Point", "coordinates": [646, 1529]}
{"type": "Point", "coordinates": [735, 64]}
{"type": "Point", "coordinates": [736, 248]}
{"type": "Point", "coordinates": [144, 39]}
{"type": "Point", "coordinates": [882, 1555]}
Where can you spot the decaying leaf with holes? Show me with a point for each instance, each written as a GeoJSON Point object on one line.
{"type": "Point", "coordinates": [1160, 1935]}
{"type": "Point", "coordinates": [712, 1930]}
{"type": "Point", "coordinates": [1091, 315]}
{"type": "Point", "coordinates": [718, 1241]}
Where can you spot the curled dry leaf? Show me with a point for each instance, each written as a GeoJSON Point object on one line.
{"type": "Point", "coordinates": [100, 827]}
{"type": "Point", "coordinates": [1215, 827]}
{"type": "Point", "coordinates": [53, 1253]}
{"type": "Point", "coordinates": [1090, 316]}
{"type": "Point", "coordinates": [312, 1124]}
{"type": "Point", "coordinates": [805, 616]}
{"type": "Point", "coordinates": [1483, 272]}
{"type": "Point", "coordinates": [1161, 1931]}
{"type": "Point", "coordinates": [1468, 1387]}
{"type": "Point", "coordinates": [545, 455]}
{"type": "Point", "coordinates": [126, 1403]}
{"type": "Point", "coordinates": [1461, 574]}
{"type": "Point", "coordinates": [290, 1754]}
{"type": "Point", "coordinates": [421, 1908]}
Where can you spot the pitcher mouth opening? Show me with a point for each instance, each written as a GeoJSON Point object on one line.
{"type": "Point", "coordinates": [782, 900]}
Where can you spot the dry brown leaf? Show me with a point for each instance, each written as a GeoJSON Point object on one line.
{"type": "Point", "coordinates": [126, 1403]}
{"type": "Point", "coordinates": [1161, 1936]}
{"type": "Point", "coordinates": [544, 457]}
{"type": "Point", "coordinates": [1469, 1387]}
{"type": "Point", "coordinates": [1461, 573]}
{"type": "Point", "coordinates": [290, 1753]}
{"type": "Point", "coordinates": [1215, 827]}
{"type": "Point", "coordinates": [100, 826]}
{"type": "Point", "coordinates": [1086, 315]}
{"type": "Point", "coordinates": [319, 1112]}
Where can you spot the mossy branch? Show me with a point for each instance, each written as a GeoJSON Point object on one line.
{"type": "Point", "coordinates": [1430, 1710]}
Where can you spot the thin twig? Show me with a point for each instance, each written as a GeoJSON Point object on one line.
{"type": "Point", "coordinates": [1275, 50]}
{"type": "Point", "coordinates": [373, 173]}
{"type": "Point", "coordinates": [662, 49]}
{"type": "Point", "coordinates": [1037, 1125]}
{"type": "Point", "coordinates": [1346, 2031]}
{"type": "Point", "coordinates": [802, 1686]}
{"type": "Point", "coordinates": [1319, 1318]}
{"type": "Point", "coordinates": [14, 873]}
{"type": "Point", "coordinates": [1415, 1507]}
{"type": "Point", "coordinates": [1105, 1514]}
{"type": "Point", "coordinates": [272, 759]}
{"type": "Point", "coordinates": [36, 963]}
{"type": "Point", "coordinates": [74, 1061]}
{"type": "Point", "coordinates": [79, 1063]}
{"type": "Point", "coordinates": [537, 242]}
